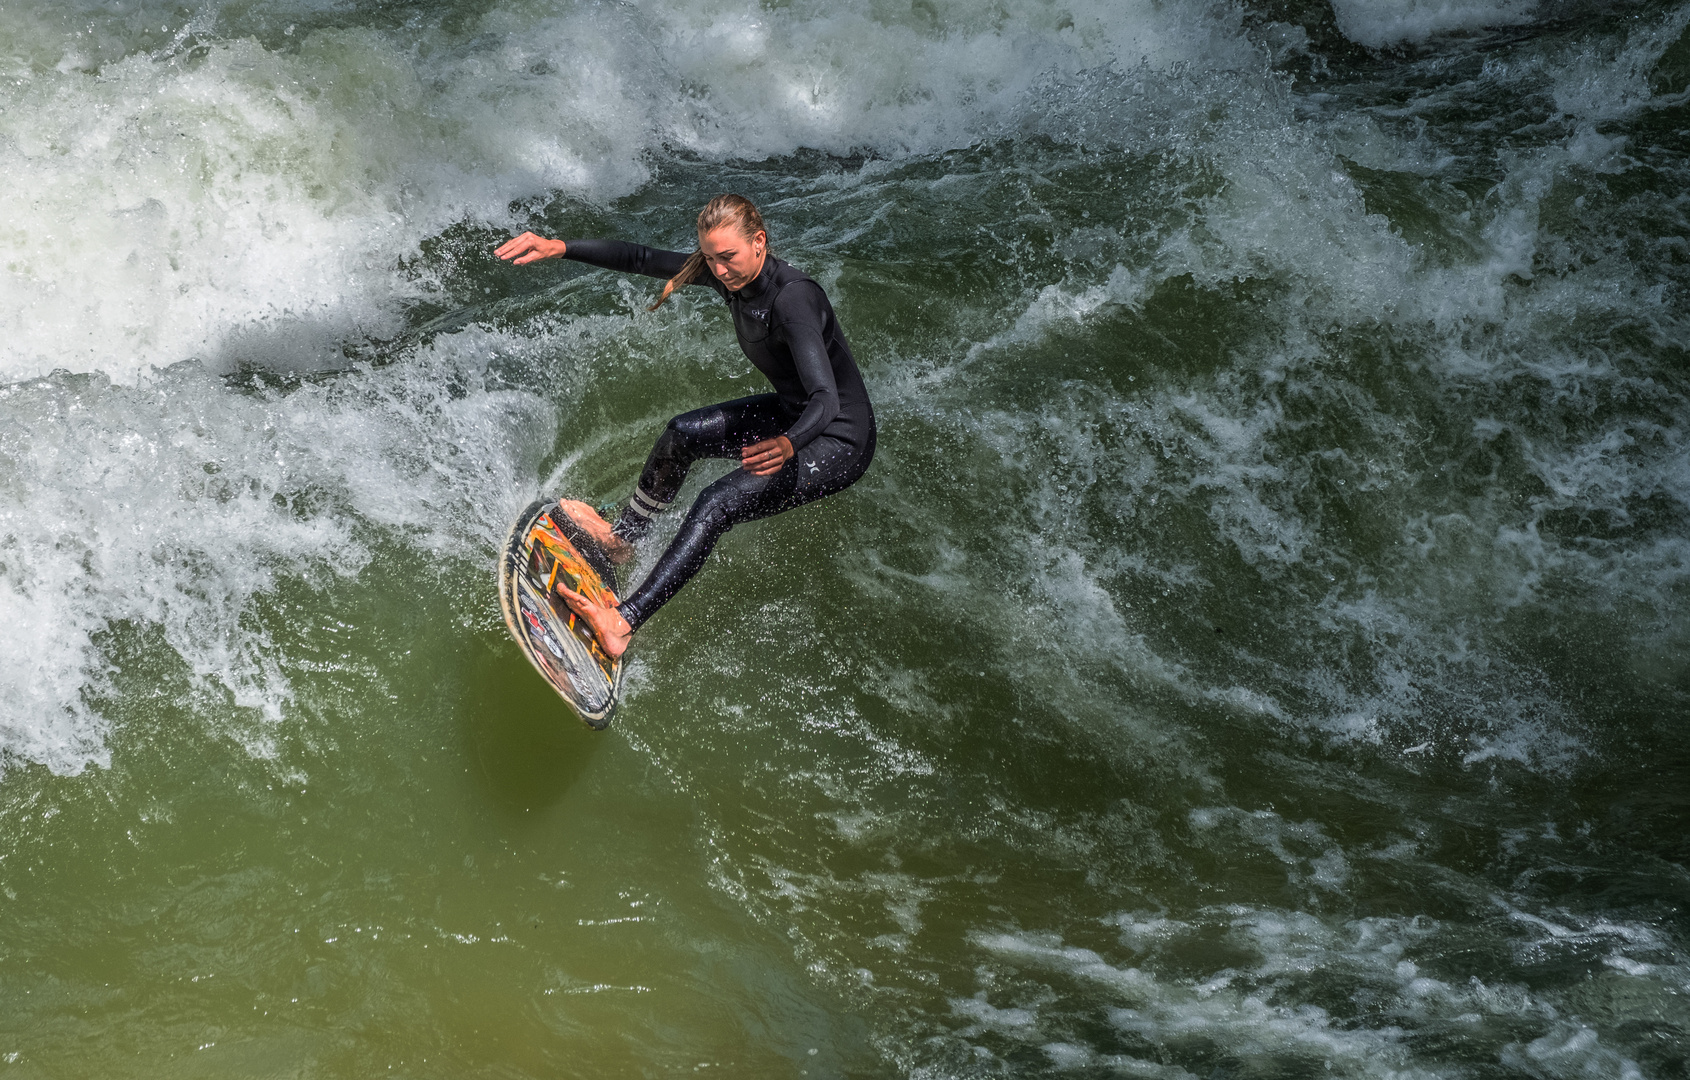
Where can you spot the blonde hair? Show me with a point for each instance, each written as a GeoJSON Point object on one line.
{"type": "Point", "coordinates": [735, 210]}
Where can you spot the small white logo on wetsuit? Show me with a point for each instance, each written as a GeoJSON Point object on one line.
{"type": "Point", "coordinates": [812, 466]}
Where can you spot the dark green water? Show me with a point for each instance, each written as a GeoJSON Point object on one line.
{"type": "Point", "coordinates": [1257, 651]}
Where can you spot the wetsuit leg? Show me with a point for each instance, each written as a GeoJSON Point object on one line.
{"type": "Point", "coordinates": [823, 467]}
{"type": "Point", "coordinates": [715, 431]}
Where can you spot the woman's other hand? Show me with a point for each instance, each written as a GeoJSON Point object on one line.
{"type": "Point", "coordinates": [766, 458]}
{"type": "Point", "coordinates": [529, 248]}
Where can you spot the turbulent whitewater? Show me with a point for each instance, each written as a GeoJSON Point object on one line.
{"type": "Point", "coordinates": [1258, 649]}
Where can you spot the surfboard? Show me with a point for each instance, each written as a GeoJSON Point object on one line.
{"type": "Point", "coordinates": [543, 548]}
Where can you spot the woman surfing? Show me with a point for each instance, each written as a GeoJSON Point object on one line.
{"type": "Point", "coordinates": [812, 437]}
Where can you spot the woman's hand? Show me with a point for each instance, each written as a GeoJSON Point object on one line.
{"type": "Point", "coordinates": [767, 457]}
{"type": "Point", "coordinates": [529, 248]}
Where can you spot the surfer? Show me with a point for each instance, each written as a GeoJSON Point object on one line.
{"type": "Point", "coordinates": [814, 436]}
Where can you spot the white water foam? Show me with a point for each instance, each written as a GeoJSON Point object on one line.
{"type": "Point", "coordinates": [171, 504]}
{"type": "Point", "coordinates": [220, 199]}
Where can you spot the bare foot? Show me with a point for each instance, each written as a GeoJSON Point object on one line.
{"type": "Point", "coordinates": [608, 625]}
{"type": "Point", "coordinates": [619, 550]}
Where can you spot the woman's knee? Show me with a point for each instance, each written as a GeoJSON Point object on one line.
{"type": "Point", "coordinates": [694, 430]}
{"type": "Point", "coordinates": [735, 499]}
{"type": "Point", "coordinates": [715, 509]}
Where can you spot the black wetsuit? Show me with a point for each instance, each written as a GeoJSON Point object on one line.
{"type": "Point", "coordinates": [787, 329]}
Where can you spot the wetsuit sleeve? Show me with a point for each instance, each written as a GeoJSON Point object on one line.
{"type": "Point", "coordinates": [624, 257]}
{"type": "Point", "coordinates": [802, 317]}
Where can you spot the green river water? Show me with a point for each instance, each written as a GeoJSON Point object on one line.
{"type": "Point", "coordinates": [1258, 649]}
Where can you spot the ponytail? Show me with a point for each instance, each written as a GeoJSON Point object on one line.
{"type": "Point", "coordinates": [734, 210]}
{"type": "Point", "coordinates": [692, 270]}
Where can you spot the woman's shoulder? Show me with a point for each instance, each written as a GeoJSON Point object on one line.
{"type": "Point", "coordinates": [798, 291]}
{"type": "Point", "coordinates": [785, 272]}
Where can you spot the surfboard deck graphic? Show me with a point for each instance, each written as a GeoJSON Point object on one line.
{"type": "Point", "coordinates": [545, 547]}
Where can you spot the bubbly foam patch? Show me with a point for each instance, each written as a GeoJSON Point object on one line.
{"type": "Point", "coordinates": [1382, 24]}
{"type": "Point", "coordinates": [1256, 1010]}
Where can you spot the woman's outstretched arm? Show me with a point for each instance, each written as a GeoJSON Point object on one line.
{"type": "Point", "coordinates": [609, 254]}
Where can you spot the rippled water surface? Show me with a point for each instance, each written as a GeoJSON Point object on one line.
{"type": "Point", "coordinates": [1257, 651]}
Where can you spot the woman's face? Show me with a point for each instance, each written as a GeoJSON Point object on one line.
{"type": "Point", "coordinates": [734, 259]}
